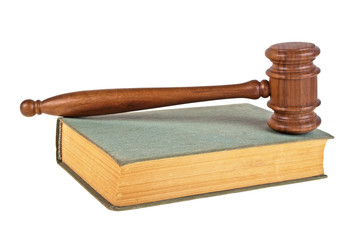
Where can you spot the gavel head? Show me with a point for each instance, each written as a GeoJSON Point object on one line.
{"type": "Point", "coordinates": [293, 87]}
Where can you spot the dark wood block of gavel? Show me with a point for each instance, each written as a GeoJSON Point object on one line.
{"type": "Point", "coordinates": [292, 88]}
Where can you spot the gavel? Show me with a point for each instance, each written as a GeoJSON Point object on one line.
{"type": "Point", "coordinates": [292, 88]}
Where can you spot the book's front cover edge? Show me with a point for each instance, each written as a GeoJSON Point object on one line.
{"type": "Point", "coordinates": [122, 162]}
{"type": "Point", "coordinates": [108, 205]}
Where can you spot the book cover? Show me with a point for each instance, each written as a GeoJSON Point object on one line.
{"type": "Point", "coordinates": [136, 137]}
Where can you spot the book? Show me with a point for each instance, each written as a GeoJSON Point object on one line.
{"type": "Point", "coordinates": [147, 158]}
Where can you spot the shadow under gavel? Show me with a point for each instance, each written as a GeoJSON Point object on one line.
{"type": "Point", "coordinates": [292, 88]}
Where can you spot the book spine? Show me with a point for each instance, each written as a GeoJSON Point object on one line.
{"type": "Point", "coordinates": [59, 140]}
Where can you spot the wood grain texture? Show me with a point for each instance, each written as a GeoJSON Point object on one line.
{"type": "Point", "coordinates": [292, 87]}
{"type": "Point", "coordinates": [100, 102]}
{"type": "Point", "coordinates": [293, 84]}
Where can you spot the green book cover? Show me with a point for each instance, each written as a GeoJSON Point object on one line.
{"type": "Point", "coordinates": [147, 135]}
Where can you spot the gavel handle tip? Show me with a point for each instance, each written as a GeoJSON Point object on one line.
{"type": "Point", "coordinates": [30, 108]}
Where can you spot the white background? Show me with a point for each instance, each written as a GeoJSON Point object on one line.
{"type": "Point", "coordinates": [52, 47]}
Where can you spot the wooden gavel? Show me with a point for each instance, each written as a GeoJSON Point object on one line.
{"type": "Point", "coordinates": [292, 87]}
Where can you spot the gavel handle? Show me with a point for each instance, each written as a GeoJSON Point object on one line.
{"type": "Point", "coordinates": [100, 102]}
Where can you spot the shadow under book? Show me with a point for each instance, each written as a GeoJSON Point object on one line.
{"type": "Point", "coordinates": [146, 158]}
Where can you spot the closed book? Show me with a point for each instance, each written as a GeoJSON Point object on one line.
{"type": "Point", "coordinates": [147, 158]}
